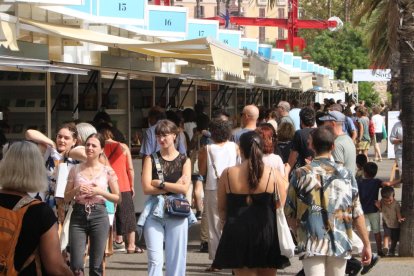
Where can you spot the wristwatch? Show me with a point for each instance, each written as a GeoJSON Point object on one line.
{"type": "Point", "coordinates": [162, 185]}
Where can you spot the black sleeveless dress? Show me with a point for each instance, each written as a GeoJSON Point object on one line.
{"type": "Point", "coordinates": [249, 237]}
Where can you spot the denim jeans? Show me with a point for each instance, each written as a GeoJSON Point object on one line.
{"type": "Point", "coordinates": [174, 231]}
{"type": "Point", "coordinates": [94, 226]}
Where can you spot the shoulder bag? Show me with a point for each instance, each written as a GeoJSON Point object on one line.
{"type": "Point", "coordinates": [286, 244]}
{"type": "Point", "coordinates": [175, 205]}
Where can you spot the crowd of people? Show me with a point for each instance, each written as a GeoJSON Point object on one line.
{"type": "Point", "coordinates": [311, 160]}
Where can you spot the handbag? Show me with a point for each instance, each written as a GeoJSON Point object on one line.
{"type": "Point", "coordinates": [64, 234]}
{"type": "Point", "coordinates": [175, 205]}
{"type": "Point", "coordinates": [286, 244]}
{"type": "Point", "coordinates": [384, 132]}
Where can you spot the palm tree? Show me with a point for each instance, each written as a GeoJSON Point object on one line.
{"type": "Point", "coordinates": [394, 47]}
{"type": "Point", "coordinates": [382, 25]}
{"type": "Point", "coordinates": [406, 47]}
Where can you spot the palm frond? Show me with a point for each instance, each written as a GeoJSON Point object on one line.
{"type": "Point", "coordinates": [365, 9]}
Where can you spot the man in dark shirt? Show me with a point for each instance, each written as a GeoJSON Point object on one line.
{"type": "Point", "coordinates": [301, 152]}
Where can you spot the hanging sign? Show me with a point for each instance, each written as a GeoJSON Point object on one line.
{"type": "Point", "coordinates": [265, 50]}
{"type": "Point", "coordinates": [304, 65]}
{"type": "Point", "coordinates": [167, 21]}
{"type": "Point", "coordinates": [288, 58]}
{"type": "Point", "coordinates": [49, 2]}
{"type": "Point", "coordinates": [297, 62]}
{"type": "Point", "coordinates": [230, 38]}
{"type": "Point", "coordinates": [125, 10]}
{"type": "Point", "coordinates": [202, 28]}
{"type": "Point", "coordinates": [115, 12]}
{"type": "Point", "coordinates": [277, 55]}
{"type": "Point", "coordinates": [249, 44]}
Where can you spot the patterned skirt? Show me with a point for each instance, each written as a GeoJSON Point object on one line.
{"type": "Point", "coordinates": [125, 220]}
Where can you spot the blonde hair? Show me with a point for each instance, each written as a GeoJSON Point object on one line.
{"type": "Point", "coordinates": [22, 168]}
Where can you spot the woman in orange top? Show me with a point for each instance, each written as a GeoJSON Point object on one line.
{"type": "Point", "coordinates": [119, 157]}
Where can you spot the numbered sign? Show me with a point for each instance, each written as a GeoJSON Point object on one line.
{"type": "Point", "coordinates": [304, 65]}
{"type": "Point", "coordinates": [167, 21]}
{"type": "Point", "coordinates": [277, 55]}
{"type": "Point", "coordinates": [84, 7]}
{"type": "Point", "coordinates": [249, 44]}
{"type": "Point", "coordinates": [297, 62]}
{"type": "Point", "coordinates": [230, 38]}
{"type": "Point", "coordinates": [106, 11]}
{"type": "Point", "coordinates": [125, 9]}
{"type": "Point", "coordinates": [202, 28]}
{"type": "Point", "coordinates": [51, 2]}
{"type": "Point", "coordinates": [265, 50]}
{"type": "Point", "coordinates": [311, 64]}
{"type": "Point", "coordinates": [288, 58]}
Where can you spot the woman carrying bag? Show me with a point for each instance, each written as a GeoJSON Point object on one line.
{"type": "Point", "coordinates": [166, 172]}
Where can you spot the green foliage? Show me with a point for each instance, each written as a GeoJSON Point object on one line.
{"type": "Point", "coordinates": [341, 51]}
{"type": "Point", "coordinates": [367, 93]}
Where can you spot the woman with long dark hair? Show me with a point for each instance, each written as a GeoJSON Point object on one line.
{"type": "Point", "coordinates": [249, 242]}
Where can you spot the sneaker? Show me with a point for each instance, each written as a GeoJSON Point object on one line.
{"type": "Point", "coordinates": [119, 247]}
{"type": "Point", "coordinates": [204, 247]}
{"type": "Point", "coordinates": [198, 215]}
{"type": "Point", "coordinates": [367, 268]}
{"type": "Point", "coordinates": [385, 251]}
{"type": "Point", "coordinates": [353, 267]}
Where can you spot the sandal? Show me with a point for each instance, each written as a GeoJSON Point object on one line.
{"type": "Point", "coordinates": [137, 250]}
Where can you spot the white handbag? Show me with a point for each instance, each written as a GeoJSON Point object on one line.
{"type": "Point", "coordinates": [286, 244]}
{"type": "Point", "coordinates": [64, 234]}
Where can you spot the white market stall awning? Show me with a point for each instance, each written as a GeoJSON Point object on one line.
{"type": "Point", "coordinates": [204, 50]}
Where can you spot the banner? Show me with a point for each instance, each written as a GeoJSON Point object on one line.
{"type": "Point", "coordinates": [371, 75]}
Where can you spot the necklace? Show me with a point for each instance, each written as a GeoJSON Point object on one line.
{"type": "Point", "coordinates": [92, 171]}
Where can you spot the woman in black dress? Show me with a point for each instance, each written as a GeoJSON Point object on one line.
{"type": "Point", "coordinates": [249, 244]}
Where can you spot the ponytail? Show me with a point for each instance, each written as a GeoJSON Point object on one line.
{"type": "Point", "coordinates": [251, 144]}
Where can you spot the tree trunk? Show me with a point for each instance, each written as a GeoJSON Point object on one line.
{"type": "Point", "coordinates": [198, 8]}
{"type": "Point", "coordinates": [406, 45]}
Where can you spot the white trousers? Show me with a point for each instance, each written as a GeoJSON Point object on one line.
{"type": "Point", "coordinates": [324, 265]}
{"type": "Point", "coordinates": [214, 227]}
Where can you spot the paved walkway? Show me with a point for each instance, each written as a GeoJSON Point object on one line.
{"type": "Point", "coordinates": [136, 264]}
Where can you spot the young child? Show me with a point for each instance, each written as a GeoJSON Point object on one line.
{"type": "Point", "coordinates": [361, 160]}
{"type": "Point", "coordinates": [391, 219]}
{"type": "Point", "coordinates": [368, 188]}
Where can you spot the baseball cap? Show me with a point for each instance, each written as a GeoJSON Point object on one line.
{"type": "Point", "coordinates": [333, 116]}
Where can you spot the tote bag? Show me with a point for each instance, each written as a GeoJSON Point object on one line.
{"type": "Point", "coordinates": [286, 244]}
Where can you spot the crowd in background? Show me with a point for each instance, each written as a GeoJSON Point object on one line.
{"type": "Point", "coordinates": [228, 169]}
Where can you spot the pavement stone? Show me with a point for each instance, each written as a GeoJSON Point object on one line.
{"type": "Point", "coordinates": [136, 264]}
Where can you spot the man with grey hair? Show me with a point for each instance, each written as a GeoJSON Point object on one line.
{"type": "Point", "coordinates": [248, 119]}
{"type": "Point", "coordinates": [344, 152]}
{"type": "Point", "coordinates": [283, 109]}
{"type": "Point", "coordinates": [348, 126]}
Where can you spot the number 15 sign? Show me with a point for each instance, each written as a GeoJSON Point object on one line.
{"type": "Point", "coordinates": [110, 11]}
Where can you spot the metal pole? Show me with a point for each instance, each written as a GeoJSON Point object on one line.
{"type": "Point", "coordinates": [75, 91]}
{"type": "Point", "coordinates": [128, 110]}
{"type": "Point", "coordinates": [48, 96]}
